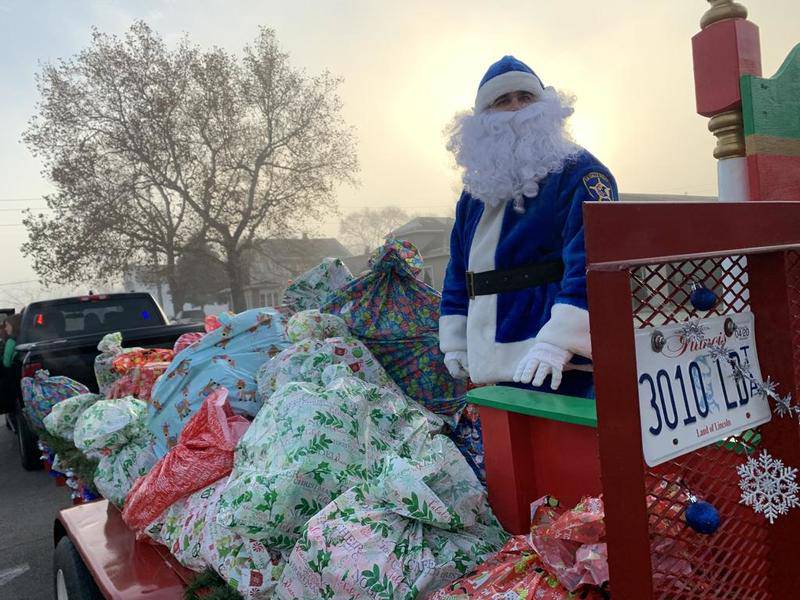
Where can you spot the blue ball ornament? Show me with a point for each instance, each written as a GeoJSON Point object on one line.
{"type": "Point", "coordinates": [702, 517]}
{"type": "Point", "coordinates": [702, 298]}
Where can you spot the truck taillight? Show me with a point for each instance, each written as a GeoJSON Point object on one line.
{"type": "Point", "coordinates": [29, 370]}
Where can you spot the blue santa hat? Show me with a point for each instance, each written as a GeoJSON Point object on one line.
{"type": "Point", "coordinates": [506, 75]}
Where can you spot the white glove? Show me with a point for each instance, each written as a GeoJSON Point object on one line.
{"type": "Point", "coordinates": [543, 359]}
{"type": "Point", "coordinates": [456, 363]}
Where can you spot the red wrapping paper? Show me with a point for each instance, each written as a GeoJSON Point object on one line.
{"type": "Point", "coordinates": [203, 454]}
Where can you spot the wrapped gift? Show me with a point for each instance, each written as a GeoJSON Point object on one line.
{"type": "Point", "coordinates": [41, 392]}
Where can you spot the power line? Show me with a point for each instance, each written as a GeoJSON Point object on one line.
{"type": "Point", "coordinates": [19, 282]}
{"type": "Point", "coordinates": [24, 208]}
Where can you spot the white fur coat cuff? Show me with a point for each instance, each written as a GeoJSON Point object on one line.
{"type": "Point", "coordinates": [453, 333]}
{"type": "Point", "coordinates": [568, 328]}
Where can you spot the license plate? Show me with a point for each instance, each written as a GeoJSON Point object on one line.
{"type": "Point", "coordinates": [686, 399]}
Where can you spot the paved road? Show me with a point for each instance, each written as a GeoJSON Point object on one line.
{"type": "Point", "coordinates": [28, 503]}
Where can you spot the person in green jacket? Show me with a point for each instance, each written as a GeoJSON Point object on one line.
{"type": "Point", "coordinates": [7, 388]}
{"type": "Point", "coordinates": [11, 326]}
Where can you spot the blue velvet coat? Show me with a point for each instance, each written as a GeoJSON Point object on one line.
{"type": "Point", "coordinates": [497, 330]}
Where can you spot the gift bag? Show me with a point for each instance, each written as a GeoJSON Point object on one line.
{"type": "Point", "coordinates": [307, 359]}
{"type": "Point", "coordinates": [41, 392]}
{"type": "Point", "coordinates": [311, 288]}
{"type": "Point", "coordinates": [309, 444]}
{"type": "Point", "coordinates": [397, 316]}
{"type": "Point", "coordinates": [138, 357]}
{"type": "Point", "coordinates": [110, 347]}
{"type": "Point", "coordinates": [139, 381]}
{"type": "Point", "coordinates": [417, 525]}
{"type": "Point", "coordinates": [312, 324]}
{"type": "Point", "coordinates": [227, 357]}
{"type": "Point", "coordinates": [117, 471]}
{"type": "Point", "coordinates": [64, 415]}
{"type": "Point", "coordinates": [108, 425]}
{"type": "Point", "coordinates": [203, 454]}
{"type": "Point", "coordinates": [189, 530]}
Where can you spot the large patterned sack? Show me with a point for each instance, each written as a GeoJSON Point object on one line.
{"type": "Point", "coordinates": [563, 557]}
{"type": "Point", "coordinates": [110, 347]}
{"type": "Point", "coordinates": [312, 324]}
{"type": "Point", "coordinates": [416, 526]}
{"type": "Point", "coordinates": [211, 323]}
{"type": "Point", "coordinates": [311, 289]}
{"type": "Point", "coordinates": [138, 357]}
{"type": "Point", "coordinates": [108, 425]}
{"type": "Point", "coordinates": [203, 454]}
{"type": "Point", "coordinates": [227, 357]}
{"type": "Point", "coordinates": [116, 472]}
{"type": "Point", "coordinates": [190, 531]}
{"type": "Point", "coordinates": [309, 444]}
{"type": "Point", "coordinates": [307, 359]}
{"type": "Point", "coordinates": [41, 392]}
{"type": "Point", "coordinates": [139, 381]}
{"type": "Point", "coordinates": [397, 316]}
{"type": "Point", "coordinates": [64, 415]}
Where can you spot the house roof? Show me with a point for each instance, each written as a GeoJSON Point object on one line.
{"type": "Point", "coordinates": [419, 224]}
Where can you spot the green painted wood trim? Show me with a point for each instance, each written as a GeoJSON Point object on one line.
{"type": "Point", "coordinates": [771, 106]}
{"type": "Point", "coordinates": [568, 409]}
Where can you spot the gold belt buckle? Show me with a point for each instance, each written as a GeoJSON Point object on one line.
{"type": "Point", "coordinates": [471, 285]}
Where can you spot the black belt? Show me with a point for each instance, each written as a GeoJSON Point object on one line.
{"type": "Point", "coordinates": [512, 280]}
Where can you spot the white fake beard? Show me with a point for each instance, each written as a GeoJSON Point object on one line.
{"type": "Point", "coordinates": [505, 154]}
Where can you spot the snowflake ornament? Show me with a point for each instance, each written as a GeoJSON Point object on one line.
{"type": "Point", "coordinates": [783, 406]}
{"type": "Point", "coordinates": [693, 331]}
{"type": "Point", "coordinates": [718, 352]}
{"type": "Point", "coordinates": [768, 487]}
{"type": "Point", "coordinates": [766, 388]}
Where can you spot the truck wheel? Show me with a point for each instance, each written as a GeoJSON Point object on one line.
{"type": "Point", "coordinates": [71, 579]}
{"type": "Point", "coordinates": [28, 448]}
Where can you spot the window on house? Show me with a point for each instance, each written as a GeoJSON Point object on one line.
{"type": "Point", "coordinates": [262, 299]}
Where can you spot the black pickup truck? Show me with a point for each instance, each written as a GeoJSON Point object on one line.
{"type": "Point", "coordinates": [62, 336]}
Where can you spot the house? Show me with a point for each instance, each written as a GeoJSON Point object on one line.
{"type": "Point", "coordinates": [273, 263]}
{"type": "Point", "coordinates": [431, 236]}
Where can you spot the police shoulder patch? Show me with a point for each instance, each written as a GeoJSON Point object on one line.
{"type": "Point", "coordinates": [599, 186]}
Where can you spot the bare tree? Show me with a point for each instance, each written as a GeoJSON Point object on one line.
{"type": "Point", "coordinates": [154, 147]}
{"type": "Point", "coordinates": [366, 229]}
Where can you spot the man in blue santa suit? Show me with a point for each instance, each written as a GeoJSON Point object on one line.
{"type": "Point", "coordinates": [514, 306]}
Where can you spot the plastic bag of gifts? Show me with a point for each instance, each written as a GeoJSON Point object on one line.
{"type": "Point", "coordinates": [203, 454]}
{"type": "Point", "coordinates": [116, 472]}
{"type": "Point", "coordinates": [139, 381]}
{"type": "Point", "coordinates": [110, 347]}
{"type": "Point", "coordinates": [211, 322]}
{"type": "Point", "coordinates": [307, 445]}
{"type": "Point", "coordinates": [397, 316]}
{"type": "Point", "coordinates": [311, 289]}
{"type": "Point", "coordinates": [227, 357]}
{"type": "Point", "coordinates": [188, 528]}
{"type": "Point", "coordinates": [108, 425]}
{"type": "Point", "coordinates": [41, 392]}
{"type": "Point", "coordinates": [315, 348]}
{"type": "Point", "coordinates": [417, 525]}
{"type": "Point", "coordinates": [137, 357]}
{"type": "Point", "coordinates": [563, 558]}
{"type": "Point", "coordinates": [64, 415]}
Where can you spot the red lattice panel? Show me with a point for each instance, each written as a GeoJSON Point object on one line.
{"type": "Point", "coordinates": [732, 563]}
{"type": "Point", "coordinates": [661, 292]}
{"type": "Point", "coordinates": [793, 290]}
